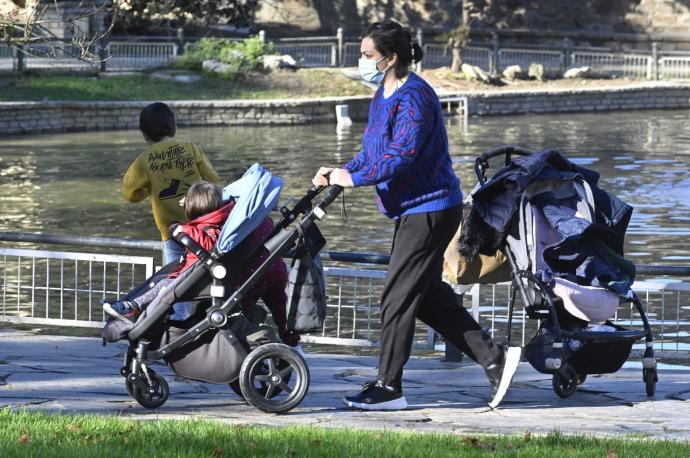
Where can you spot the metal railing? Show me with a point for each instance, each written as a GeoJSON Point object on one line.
{"type": "Point", "coordinates": [436, 56]}
{"type": "Point", "coordinates": [550, 59]}
{"type": "Point", "coordinates": [141, 53]}
{"type": "Point", "coordinates": [7, 58]}
{"type": "Point", "coordinates": [310, 54]}
{"type": "Point", "coordinates": [673, 67]}
{"type": "Point", "coordinates": [350, 54]}
{"type": "Point", "coordinates": [66, 288]}
{"type": "Point", "coordinates": [51, 55]}
{"type": "Point", "coordinates": [618, 64]}
{"type": "Point", "coordinates": [136, 55]}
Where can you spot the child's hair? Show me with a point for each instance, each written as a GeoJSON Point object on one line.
{"type": "Point", "coordinates": [202, 197]}
{"type": "Point", "coordinates": [157, 121]}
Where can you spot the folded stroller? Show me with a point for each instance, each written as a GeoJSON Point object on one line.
{"type": "Point", "coordinates": [563, 238]}
{"type": "Point", "coordinates": [218, 342]}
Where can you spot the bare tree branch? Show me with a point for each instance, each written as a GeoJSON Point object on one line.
{"type": "Point", "coordinates": [64, 29]}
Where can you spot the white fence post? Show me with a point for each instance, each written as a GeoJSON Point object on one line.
{"type": "Point", "coordinates": [340, 36]}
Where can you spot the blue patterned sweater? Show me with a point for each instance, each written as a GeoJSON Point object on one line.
{"type": "Point", "coordinates": [405, 152]}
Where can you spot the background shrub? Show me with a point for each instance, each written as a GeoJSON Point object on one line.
{"type": "Point", "coordinates": [241, 57]}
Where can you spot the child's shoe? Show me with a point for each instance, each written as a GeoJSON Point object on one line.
{"type": "Point", "coordinates": [123, 310]}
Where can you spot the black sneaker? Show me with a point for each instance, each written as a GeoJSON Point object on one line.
{"type": "Point", "coordinates": [377, 396]}
{"type": "Point", "coordinates": [501, 373]}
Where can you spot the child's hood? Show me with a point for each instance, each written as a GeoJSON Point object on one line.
{"type": "Point", "coordinates": [216, 218]}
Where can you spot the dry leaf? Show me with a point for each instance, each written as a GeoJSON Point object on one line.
{"type": "Point", "coordinates": [527, 436]}
{"type": "Point", "coordinates": [612, 453]}
{"type": "Point", "coordinates": [251, 445]}
{"type": "Point", "coordinates": [125, 440]}
{"type": "Point", "coordinates": [472, 441]}
{"type": "Point", "coordinates": [509, 446]}
{"type": "Point", "coordinates": [218, 452]}
{"type": "Point", "coordinates": [24, 439]}
{"type": "Point", "coordinates": [70, 427]}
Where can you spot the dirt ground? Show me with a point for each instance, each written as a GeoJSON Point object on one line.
{"type": "Point", "coordinates": [445, 81]}
{"type": "Point", "coordinates": [346, 81]}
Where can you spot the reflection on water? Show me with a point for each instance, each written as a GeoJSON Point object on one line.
{"type": "Point", "coordinates": [69, 184]}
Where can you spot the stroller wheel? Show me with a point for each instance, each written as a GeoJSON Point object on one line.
{"type": "Point", "coordinates": [130, 387]}
{"type": "Point", "coordinates": [565, 381]}
{"type": "Point", "coordinates": [154, 396]}
{"type": "Point", "coordinates": [274, 378]}
{"type": "Point", "coordinates": [235, 384]}
{"type": "Point", "coordinates": [650, 378]}
{"type": "Point", "coordinates": [236, 388]}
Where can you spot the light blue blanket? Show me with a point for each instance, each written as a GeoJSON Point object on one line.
{"type": "Point", "coordinates": [255, 194]}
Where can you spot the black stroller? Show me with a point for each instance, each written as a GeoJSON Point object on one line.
{"type": "Point", "coordinates": [218, 343]}
{"type": "Point", "coordinates": [563, 239]}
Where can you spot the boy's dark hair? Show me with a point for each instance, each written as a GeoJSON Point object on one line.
{"type": "Point", "coordinates": [390, 37]}
{"type": "Point", "coordinates": [157, 121]}
{"type": "Point", "coordinates": [202, 197]}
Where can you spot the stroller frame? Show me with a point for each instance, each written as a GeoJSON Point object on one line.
{"type": "Point", "coordinates": [151, 390]}
{"type": "Point", "coordinates": [566, 378]}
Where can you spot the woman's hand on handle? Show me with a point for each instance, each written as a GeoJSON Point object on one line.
{"type": "Point", "coordinates": [321, 177]}
{"type": "Point", "coordinates": [329, 176]}
{"type": "Point", "coordinates": [340, 177]}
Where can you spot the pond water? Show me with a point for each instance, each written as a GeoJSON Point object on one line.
{"type": "Point", "coordinates": [69, 183]}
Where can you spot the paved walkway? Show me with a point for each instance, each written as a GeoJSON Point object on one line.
{"type": "Point", "coordinates": [77, 374]}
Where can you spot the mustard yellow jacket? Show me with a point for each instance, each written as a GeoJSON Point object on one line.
{"type": "Point", "coordinates": [165, 170]}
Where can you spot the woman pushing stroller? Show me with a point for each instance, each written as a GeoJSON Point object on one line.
{"type": "Point", "coordinates": [405, 154]}
{"type": "Point", "coordinates": [206, 212]}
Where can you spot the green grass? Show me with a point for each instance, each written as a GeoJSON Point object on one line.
{"type": "Point", "coordinates": [281, 84]}
{"type": "Point", "coordinates": [25, 434]}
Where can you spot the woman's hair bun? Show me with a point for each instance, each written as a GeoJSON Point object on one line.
{"type": "Point", "coordinates": [417, 53]}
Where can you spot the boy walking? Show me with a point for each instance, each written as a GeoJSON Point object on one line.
{"type": "Point", "coordinates": [165, 171]}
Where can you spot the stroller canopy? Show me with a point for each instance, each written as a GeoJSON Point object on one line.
{"type": "Point", "coordinates": [255, 195]}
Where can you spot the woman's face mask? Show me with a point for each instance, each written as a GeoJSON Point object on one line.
{"type": "Point", "coordinates": [369, 72]}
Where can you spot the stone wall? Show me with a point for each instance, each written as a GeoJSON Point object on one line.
{"type": "Point", "coordinates": [645, 96]}
{"type": "Point", "coordinates": [36, 117]}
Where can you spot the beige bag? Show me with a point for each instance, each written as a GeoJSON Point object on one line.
{"type": "Point", "coordinates": [482, 269]}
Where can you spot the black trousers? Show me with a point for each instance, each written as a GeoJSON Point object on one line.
{"type": "Point", "coordinates": [414, 289]}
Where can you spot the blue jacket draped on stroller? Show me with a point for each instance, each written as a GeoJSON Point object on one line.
{"type": "Point", "coordinates": [563, 237]}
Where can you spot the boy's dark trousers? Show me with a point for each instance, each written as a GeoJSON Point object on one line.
{"type": "Point", "coordinates": [414, 289]}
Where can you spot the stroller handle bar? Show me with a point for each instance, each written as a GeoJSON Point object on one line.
{"type": "Point", "coordinates": [330, 196]}
{"type": "Point", "coordinates": [481, 164]}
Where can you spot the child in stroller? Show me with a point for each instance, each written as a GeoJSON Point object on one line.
{"type": "Point", "coordinates": [562, 236]}
{"type": "Point", "coordinates": [206, 211]}
{"type": "Point", "coordinates": [219, 342]}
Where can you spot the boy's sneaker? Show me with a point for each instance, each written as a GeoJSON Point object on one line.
{"type": "Point", "coordinates": [501, 373]}
{"type": "Point", "coordinates": [123, 310]}
{"type": "Point", "coordinates": [377, 396]}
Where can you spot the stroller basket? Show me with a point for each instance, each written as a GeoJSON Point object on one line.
{"type": "Point", "coordinates": [588, 352]}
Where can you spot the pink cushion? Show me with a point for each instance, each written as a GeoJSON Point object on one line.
{"type": "Point", "coordinates": [587, 303]}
